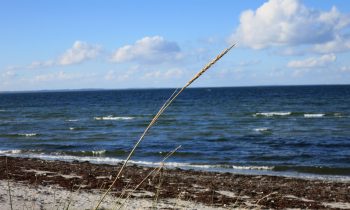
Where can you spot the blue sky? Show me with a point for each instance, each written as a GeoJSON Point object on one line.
{"type": "Point", "coordinates": [151, 44]}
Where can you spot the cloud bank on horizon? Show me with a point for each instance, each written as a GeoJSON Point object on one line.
{"type": "Point", "coordinates": [279, 42]}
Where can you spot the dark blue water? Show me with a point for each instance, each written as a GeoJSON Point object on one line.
{"type": "Point", "coordinates": [286, 129]}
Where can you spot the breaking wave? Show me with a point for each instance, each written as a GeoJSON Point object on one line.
{"type": "Point", "coordinates": [271, 114]}
{"type": "Point", "coordinates": [72, 120]}
{"type": "Point", "coordinates": [313, 115]}
{"type": "Point", "coordinates": [27, 134]}
{"type": "Point", "coordinates": [261, 129]}
{"type": "Point", "coordinates": [14, 151]}
{"type": "Point", "coordinates": [253, 167]}
{"type": "Point", "coordinates": [113, 161]}
{"type": "Point", "coordinates": [110, 117]}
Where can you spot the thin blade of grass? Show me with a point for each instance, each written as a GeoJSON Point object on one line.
{"type": "Point", "coordinates": [161, 110]}
{"type": "Point", "coordinates": [8, 184]}
{"type": "Point", "coordinates": [148, 175]}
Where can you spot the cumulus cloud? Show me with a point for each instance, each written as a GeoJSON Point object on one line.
{"type": "Point", "coordinates": [313, 62]}
{"type": "Point", "coordinates": [78, 53]}
{"type": "Point", "coordinates": [339, 44]}
{"type": "Point", "coordinates": [81, 51]}
{"type": "Point", "coordinates": [288, 22]}
{"type": "Point", "coordinates": [150, 50]}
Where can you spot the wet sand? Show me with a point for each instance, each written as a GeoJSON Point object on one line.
{"type": "Point", "coordinates": [172, 188]}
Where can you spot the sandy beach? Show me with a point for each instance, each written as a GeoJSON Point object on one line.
{"type": "Point", "coordinates": [43, 184]}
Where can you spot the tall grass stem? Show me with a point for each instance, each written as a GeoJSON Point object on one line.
{"type": "Point", "coordinates": [155, 118]}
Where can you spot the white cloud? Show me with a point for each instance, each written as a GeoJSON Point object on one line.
{"type": "Point", "coordinates": [339, 44]}
{"type": "Point", "coordinates": [150, 50]}
{"type": "Point", "coordinates": [41, 64]}
{"type": "Point", "coordinates": [118, 76]}
{"type": "Point", "coordinates": [53, 76]}
{"type": "Point", "coordinates": [168, 74]}
{"type": "Point", "coordinates": [313, 62]}
{"type": "Point", "coordinates": [344, 69]}
{"type": "Point", "coordinates": [288, 22]}
{"type": "Point", "coordinates": [9, 74]}
{"type": "Point", "coordinates": [249, 63]}
{"type": "Point", "coordinates": [78, 53]}
{"type": "Point", "coordinates": [290, 51]}
{"type": "Point", "coordinates": [61, 76]}
{"type": "Point", "coordinates": [81, 51]}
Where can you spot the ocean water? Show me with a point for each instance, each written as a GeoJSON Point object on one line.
{"type": "Point", "coordinates": [281, 130]}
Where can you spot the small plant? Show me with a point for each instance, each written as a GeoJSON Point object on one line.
{"type": "Point", "coordinates": [155, 118]}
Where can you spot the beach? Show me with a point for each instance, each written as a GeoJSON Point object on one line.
{"type": "Point", "coordinates": [45, 184]}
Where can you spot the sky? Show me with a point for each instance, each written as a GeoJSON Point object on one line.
{"type": "Point", "coordinates": [49, 45]}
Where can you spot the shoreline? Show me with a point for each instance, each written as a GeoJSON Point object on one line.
{"type": "Point", "coordinates": [209, 189]}
{"type": "Point", "coordinates": [241, 170]}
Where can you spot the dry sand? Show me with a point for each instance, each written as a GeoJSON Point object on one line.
{"type": "Point", "coordinates": [25, 197]}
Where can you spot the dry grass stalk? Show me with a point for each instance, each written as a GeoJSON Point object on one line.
{"type": "Point", "coordinates": [161, 110]}
{"type": "Point", "coordinates": [158, 187]}
{"type": "Point", "coordinates": [266, 196]}
{"type": "Point", "coordinates": [121, 195]}
{"type": "Point", "coordinates": [149, 174]}
{"type": "Point", "coordinates": [8, 183]}
{"type": "Point", "coordinates": [71, 197]}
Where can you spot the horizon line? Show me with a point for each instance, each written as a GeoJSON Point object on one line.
{"type": "Point", "coordinates": [157, 88]}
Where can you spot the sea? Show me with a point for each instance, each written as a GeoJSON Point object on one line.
{"type": "Point", "coordinates": [278, 130]}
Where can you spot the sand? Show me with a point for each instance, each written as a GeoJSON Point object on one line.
{"type": "Point", "coordinates": [42, 184]}
{"type": "Point", "coordinates": [26, 196]}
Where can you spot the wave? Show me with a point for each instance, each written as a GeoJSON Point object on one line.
{"type": "Point", "coordinates": [261, 129]}
{"type": "Point", "coordinates": [2, 110]}
{"type": "Point", "coordinates": [110, 117]}
{"type": "Point", "coordinates": [77, 128]}
{"type": "Point", "coordinates": [98, 152]}
{"type": "Point", "coordinates": [297, 114]}
{"type": "Point", "coordinates": [271, 114]}
{"type": "Point", "coordinates": [253, 167]}
{"type": "Point", "coordinates": [27, 134]}
{"type": "Point", "coordinates": [14, 151]}
{"type": "Point", "coordinates": [294, 171]}
{"type": "Point", "coordinates": [338, 115]}
{"type": "Point", "coordinates": [72, 120]}
{"type": "Point", "coordinates": [313, 115]}
{"type": "Point", "coordinates": [114, 161]}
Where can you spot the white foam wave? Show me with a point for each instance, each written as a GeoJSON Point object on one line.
{"type": "Point", "coordinates": [261, 129]}
{"type": "Point", "coordinates": [71, 128]}
{"type": "Point", "coordinates": [99, 152]}
{"type": "Point", "coordinates": [107, 160]}
{"type": "Point", "coordinates": [110, 117]}
{"type": "Point", "coordinates": [14, 151]}
{"type": "Point", "coordinates": [27, 134]}
{"type": "Point", "coordinates": [313, 115]}
{"type": "Point", "coordinates": [72, 120]}
{"type": "Point", "coordinates": [114, 161]}
{"type": "Point", "coordinates": [271, 114]}
{"type": "Point", "coordinates": [253, 167]}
